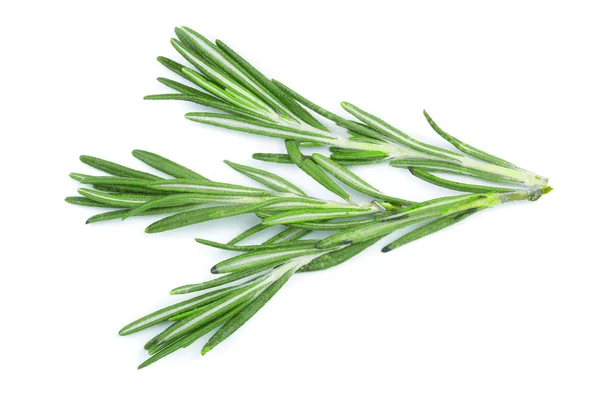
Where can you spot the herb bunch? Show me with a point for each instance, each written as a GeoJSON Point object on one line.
{"type": "Point", "coordinates": [250, 102]}
{"type": "Point", "coordinates": [249, 280]}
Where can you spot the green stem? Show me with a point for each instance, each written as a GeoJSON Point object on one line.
{"type": "Point", "coordinates": [495, 172]}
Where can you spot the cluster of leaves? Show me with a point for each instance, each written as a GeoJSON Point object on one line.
{"type": "Point", "coordinates": [250, 102]}
{"type": "Point", "coordinates": [251, 278]}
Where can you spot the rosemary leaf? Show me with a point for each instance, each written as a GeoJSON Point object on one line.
{"type": "Point", "coordinates": [185, 89]}
{"type": "Point", "coordinates": [263, 257]}
{"type": "Point", "coordinates": [248, 312]}
{"type": "Point", "coordinates": [116, 169]}
{"type": "Point", "coordinates": [264, 246]}
{"type": "Point", "coordinates": [366, 231]}
{"type": "Point", "coordinates": [85, 201]}
{"type": "Point", "coordinates": [248, 232]}
{"type": "Point", "coordinates": [206, 187]}
{"type": "Point", "coordinates": [273, 157]}
{"type": "Point", "coordinates": [244, 124]}
{"type": "Point", "coordinates": [115, 199]}
{"type": "Point", "coordinates": [431, 206]}
{"type": "Point", "coordinates": [222, 280]}
{"type": "Point", "coordinates": [442, 166]}
{"type": "Point", "coordinates": [465, 148]}
{"type": "Point", "coordinates": [267, 178]}
{"type": "Point", "coordinates": [429, 228]}
{"type": "Point", "coordinates": [461, 187]}
{"type": "Point", "coordinates": [167, 166]}
{"type": "Point", "coordinates": [288, 235]}
{"type": "Point", "coordinates": [122, 214]}
{"type": "Point", "coordinates": [337, 257]}
{"type": "Point", "coordinates": [173, 66]}
{"type": "Point", "coordinates": [306, 215]}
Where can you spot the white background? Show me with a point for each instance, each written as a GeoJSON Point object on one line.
{"type": "Point", "coordinates": [504, 305]}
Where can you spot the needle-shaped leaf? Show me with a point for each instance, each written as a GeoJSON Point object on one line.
{"type": "Point", "coordinates": [254, 247]}
{"type": "Point", "coordinates": [192, 217]}
{"type": "Point", "coordinates": [332, 225]}
{"type": "Point", "coordinates": [165, 165]}
{"type": "Point", "coordinates": [248, 312]}
{"type": "Point", "coordinates": [244, 209]}
{"type": "Point", "coordinates": [121, 214]}
{"type": "Point", "coordinates": [117, 180]}
{"type": "Point", "coordinates": [185, 89]}
{"type": "Point", "coordinates": [131, 189]}
{"type": "Point", "coordinates": [353, 180]}
{"type": "Point", "coordinates": [358, 155]}
{"type": "Point", "coordinates": [165, 313]}
{"type": "Point", "coordinates": [222, 280]}
{"type": "Point", "coordinates": [206, 187]}
{"type": "Point", "coordinates": [249, 125]}
{"type": "Point", "coordinates": [337, 257]}
{"type": "Point", "coordinates": [466, 148]}
{"type": "Point", "coordinates": [442, 166]}
{"type": "Point", "coordinates": [78, 176]}
{"type": "Point", "coordinates": [185, 218]}
{"type": "Point", "coordinates": [431, 206]}
{"type": "Point", "coordinates": [172, 65]}
{"type": "Point", "coordinates": [395, 134]}
{"type": "Point", "coordinates": [248, 232]}
{"type": "Point", "coordinates": [115, 199]}
{"type": "Point", "coordinates": [429, 228]}
{"type": "Point", "coordinates": [116, 169]}
{"type": "Point", "coordinates": [273, 157]}
{"type": "Point", "coordinates": [313, 170]}
{"type": "Point", "coordinates": [288, 235]}
{"type": "Point", "coordinates": [366, 232]}
{"type": "Point", "coordinates": [190, 198]}
{"type": "Point", "coordinates": [461, 187]}
{"type": "Point", "coordinates": [207, 101]}
{"type": "Point", "coordinates": [85, 201]}
{"type": "Point", "coordinates": [263, 257]}
{"type": "Point", "coordinates": [267, 178]}
{"type": "Point", "coordinates": [305, 215]}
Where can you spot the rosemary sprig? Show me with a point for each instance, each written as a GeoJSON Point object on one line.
{"type": "Point", "coordinates": [187, 199]}
{"type": "Point", "coordinates": [253, 277]}
{"type": "Point", "coordinates": [252, 103]}
{"type": "Point", "coordinates": [250, 279]}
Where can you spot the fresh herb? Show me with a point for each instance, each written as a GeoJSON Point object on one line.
{"type": "Point", "coordinates": [252, 103]}
{"type": "Point", "coordinates": [249, 280]}
{"type": "Point", "coordinates": [249, 102]}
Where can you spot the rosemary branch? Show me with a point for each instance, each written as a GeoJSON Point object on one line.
{"type": "Point", "coordinates": [252, 103]}
{"type": "Point", "coordinates": [249, 280]}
